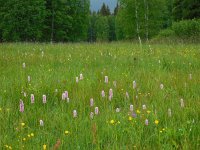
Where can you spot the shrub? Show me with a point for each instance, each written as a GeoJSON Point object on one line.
{"type": "Point", "coordinates": [166, 33]}
{"type": "Point", "coordinates": [187, 28]}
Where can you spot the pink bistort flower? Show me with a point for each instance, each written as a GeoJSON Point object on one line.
{"type": "Point", "coordinates": [21, 106]}
{"type": "Point", "coordinates": [32, 98]}
{"type": "Point", "coordinates": [44, 98]}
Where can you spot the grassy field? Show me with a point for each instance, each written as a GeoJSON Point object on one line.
{"type": "Point", "coordinates": [160, 110]}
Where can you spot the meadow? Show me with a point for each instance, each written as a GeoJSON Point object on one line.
{"type": "Point", "coordinates": [99, 96]}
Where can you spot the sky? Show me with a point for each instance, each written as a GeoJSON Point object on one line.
{"type": "Point", "coordinates": [95, 5]}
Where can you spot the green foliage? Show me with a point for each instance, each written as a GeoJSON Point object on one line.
{"type": "Point", "coordinates": [104, 11]}
{"type": "Point", "coordinates": [185, 31]}
{"type": "Point", "coordinates": [116, 9]}
{"type": "Point", "coordinates": [55, 66]}
{"type": "Point", "coordinates": [102, 25]}
{"type": "Point", "coordinates": [187, 28]}
{"type": "Point", "coordinates": [150, 17]}
{"type": "Point", "coordinates": [22, 20]}
{"type": "Point", "coordinates": [111, 32]}
{"type": "Point", "coordinates": [70, 20]}
{"type": "Point", "coordinates": [66, 20]}
{"type": "Point", "coordinates": [44, 20]}
{"type": "Point", "coordinates": [186, 9]}
{"type": "Point", "coordinates": [166, 33]}
{"type": "Point", "coordinates": [92, 27]}
{"type": "Point", "coordinates": [102, 28]}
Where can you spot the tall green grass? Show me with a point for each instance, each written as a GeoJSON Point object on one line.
{"type": "Point", "coordinates": [56, 66]}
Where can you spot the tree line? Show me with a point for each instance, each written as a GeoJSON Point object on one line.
{"type": "Point", "coordinates": [72, 20]}
{"type": "Point", "coordinates": [44, 20]}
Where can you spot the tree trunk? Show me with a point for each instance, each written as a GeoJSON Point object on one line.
{"type": "Point", "coordinates": [52, 24]}
{"type": "Point", "coordinates": [146, 6]}
{"type": "Point", "coordinates": [137, 22]}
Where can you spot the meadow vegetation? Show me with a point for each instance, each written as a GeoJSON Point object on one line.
{"type": "Point", "coordinates": [52, 96]}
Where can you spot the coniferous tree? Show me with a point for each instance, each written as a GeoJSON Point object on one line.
{"type": "Point", "coordinates": [104, 10]}
{"type": "Point", "coordinates": [186, 9]}
{"type": "Point", "coordinates": [92, 27]}
{"type": "Point", "coordinates": [111, 24]}
{"type": "Point", "coordinates": [116, 9]}
{"type": "Point", "coordinates": [108, 11]}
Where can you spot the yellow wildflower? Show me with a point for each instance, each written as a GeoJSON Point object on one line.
{"type": "Point", "coordinates": [22, 124]}
{"type": "Point", "coordinates": [6, 146]}
{"type": "Point", "coordinates": [137, 111]}
{"type": "Point", "coordinates": [44, 147]}
{"type": "Point", "coordinates": [148, 111]}
{"type": "Point", "coordinates": [66, 132]}
{"type": "Point", "coordinates": [156, 122]}
{"type": "Point", "coordinates": [24, 139]}
{"type": "Point", "coordinates": [112, 121]}
{"type": "Point", "coordinates": [10, 147]}
{"type": "Point", "coordinates": [32, 134]}
{"type": "Point", "coordinates": [29, 135]}
{"type": "Point", "coordinates": [130, 118]}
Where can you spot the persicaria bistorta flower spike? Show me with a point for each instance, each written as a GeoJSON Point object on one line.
{"type": "Point", "coordinates": [115, 83]}
{"type": "Point", "coordinates": [21, 106]}
{"type": "Point", "coordinates": [42, 53]}
{"type": "Point", "coordinates": [134, 115]}
{"type": "Point", "coordinates": [24, 94]}
{"type": "Point", "coordinates": [41, 123]}
{"type": "Point", "coordinates": [74, 113]}
{"type": "Point", "coordinates": [106, 79]}
{"type": "Point", "coordinates": [190, 76]}
{"type": "Point", "coordinates": [111, 93]}
{"type": "Point", "coordinates": [117, 110]}
{"type": "Point", "coordinates": [63, 96]}
{"type": "Point", "coordinates": [110, 98]}
{"type": "Point", "coordinates": [185, 84]}
{"type": "Point", "coordinates": [131, 108]}
{"type": "Point", "coordinates": [68, 99]}
{"type": "Point", "coordinates": [144, 107]}
{"type": "Point", "coordinates": [182, 103]}
{"type": "Point", "coordinates": [91, 102]}
{"type": "Point", "coordinates": [103, 93]}
{"type": "Point", "coordinates": [32, 98]}
{"type": "Point", "coordinates": [76, 79]}
{"type": "Point", "coordinates": [169, 112]}
{"type": "Point", "coordinates": [161, 86]}
{"type": "Point", "coordinates": [44, 97]}
{"type": "Point", "coordinates": [24, 65]}
{"type": "Point", "coordinates": [91, 115]}
{"type": "Point", "coordinates": [127, 95]}
{"type": "Point", "coordinates": [81, 76]}
{"type": "Point", "coordinates": [66, 94]}
{"type": "Point", "coordinates": [134, 85]}
{"type": "Point", "coordinates": [29, 79]}
{"type": "Point", "coordinates": [96, 111]}
{"type": "Point", "coordinates": [146, 122]}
